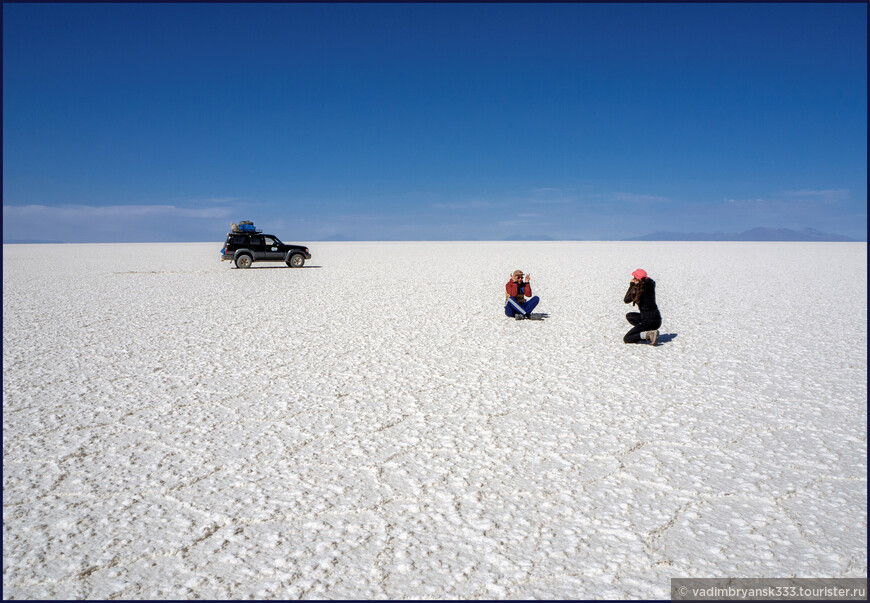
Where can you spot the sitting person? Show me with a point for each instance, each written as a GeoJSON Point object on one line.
{"type": "Point", "coordinates": [518, 301]}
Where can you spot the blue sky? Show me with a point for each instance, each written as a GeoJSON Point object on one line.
{"type": "Point", "coordinates": [165, 122]}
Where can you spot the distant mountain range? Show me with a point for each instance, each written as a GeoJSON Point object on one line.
{"type": "Point", "coordinates": [756, 234]}
{"type": "Point", "coordinates": [539, 237]}
{"type": "Point", "coordinates": [30, 242]}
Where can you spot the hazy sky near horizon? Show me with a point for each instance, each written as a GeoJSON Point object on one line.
{"type": "Point", "coordinates": [156, 122]}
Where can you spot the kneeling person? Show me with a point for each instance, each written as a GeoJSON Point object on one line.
{"type": "Point", "coordinates": [519, 303]}
{"type": "Point", "coordinates": [642, 293]}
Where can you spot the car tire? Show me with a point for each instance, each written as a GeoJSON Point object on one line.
{"type": "Point", "coordinates": [244, 261]}
{"type": "Point", "coordinates": [296, 260]}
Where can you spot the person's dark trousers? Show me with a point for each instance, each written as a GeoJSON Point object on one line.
{"type": "Point", "coordinates": [641, 324]}
{"type": "Point", "coordinates": [514, 307]}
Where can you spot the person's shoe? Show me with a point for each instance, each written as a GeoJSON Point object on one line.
{"type": "Point", "coordinates": [519, 316]}
{"type": "Point", "coordinates": [653, 337]}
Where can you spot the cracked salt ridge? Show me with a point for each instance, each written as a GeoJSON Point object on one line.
{"type": "Point", "coordinates": [378, 429]}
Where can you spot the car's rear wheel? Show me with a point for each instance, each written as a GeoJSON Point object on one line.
{"type": "Point", "coordinates": [243, 261]}
{"type": "Point", "coordinates": [296, 261]}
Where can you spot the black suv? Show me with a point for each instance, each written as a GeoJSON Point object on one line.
{"type": "Point", "coordinates": [246, 245]}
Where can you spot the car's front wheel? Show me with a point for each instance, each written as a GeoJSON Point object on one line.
{"type": "Point", "coordinates": [243, 261]}
{"type": "Point", "coordinates": [296, 261]}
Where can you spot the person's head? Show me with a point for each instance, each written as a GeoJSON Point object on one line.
{"type": "Point", "coordinates": [638, 274]}
{"type": "Point", "coordinates": [517, 275]}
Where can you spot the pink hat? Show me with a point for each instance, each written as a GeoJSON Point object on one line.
{"type": "Point", "coordinates": [639, 274]}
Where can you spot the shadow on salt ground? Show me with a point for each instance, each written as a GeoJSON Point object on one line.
{"type": "Point", "coordinates": [275, 268]}
{"type": "Point", "coordinates": [666, 337]}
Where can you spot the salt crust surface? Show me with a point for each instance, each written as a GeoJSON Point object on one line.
{"type": "Point", "coordinates": [373, 426]}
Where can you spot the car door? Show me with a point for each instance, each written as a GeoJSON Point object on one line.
{"type": "Point", "coordinates": [257, 247]}
{"type": "Point", "coordinates": [272, 248]}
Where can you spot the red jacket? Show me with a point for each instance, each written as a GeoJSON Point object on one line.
{"type": "Point", "coordinates": [512, 290]}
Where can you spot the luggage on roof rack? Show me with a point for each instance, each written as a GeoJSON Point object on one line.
{"type": "Point", "coordinates": [244, 226]}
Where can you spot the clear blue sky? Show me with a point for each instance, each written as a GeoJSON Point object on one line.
{"type": "Point", "coordinates": [145, 122]}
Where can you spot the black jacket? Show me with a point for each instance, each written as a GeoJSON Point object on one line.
{"type": "Point", "coordinates": [647, 302]}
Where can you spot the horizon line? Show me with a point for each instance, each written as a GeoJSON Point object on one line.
{"type": "Point", "coordinates": [31, 242]}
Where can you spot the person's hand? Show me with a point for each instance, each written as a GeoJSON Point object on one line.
{"type": "Point", "coordinates": [528, 278]}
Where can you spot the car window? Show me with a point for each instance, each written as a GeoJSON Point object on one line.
{"type": "Point", "coordinates": [257, 241]}
{"type": "Point", "coordinates": [270, 241]}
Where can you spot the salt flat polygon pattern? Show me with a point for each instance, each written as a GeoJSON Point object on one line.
{"type": "Point", "coordinates": [373, 426]}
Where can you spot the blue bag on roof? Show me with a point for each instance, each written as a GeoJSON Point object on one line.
{"type": "Point", "coordinates": [243, 226]}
